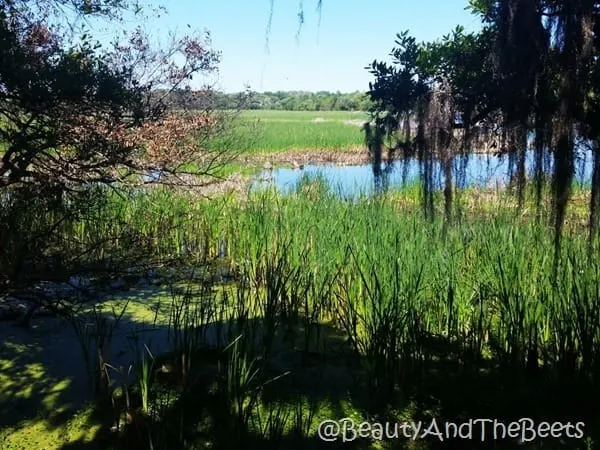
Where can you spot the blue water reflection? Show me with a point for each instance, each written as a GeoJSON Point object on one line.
{"type": "Point", "coordinates": [480, 170]}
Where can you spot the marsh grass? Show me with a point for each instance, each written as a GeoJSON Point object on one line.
{"type": "Point", "coordinates": [282, 131]}
{"type": "Point", "coordinates": [146, 366]}
{"type": "Point", "coordinates": [411, 304]}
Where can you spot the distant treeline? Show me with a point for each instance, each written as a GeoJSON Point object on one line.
{"type": "Point", "coordinates": [306, 101]}
{"type": "Point", "coordinates": [281, 100]}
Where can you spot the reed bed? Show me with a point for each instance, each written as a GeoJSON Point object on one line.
{"type": "Point", "coordinates": [407, 297]}
{"type": "Point", "coordinates": [489, 282]}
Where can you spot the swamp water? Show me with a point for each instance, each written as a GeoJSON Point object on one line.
{"type": "Point", "coordinates": [477, 170]}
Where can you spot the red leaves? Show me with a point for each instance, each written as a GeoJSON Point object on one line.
{"type": "Point", "coordinates": [174, 140]}
{"type": "Point", "coordinates": [177, 139]}
{"type": "Point", "coordinates": [75, 111]}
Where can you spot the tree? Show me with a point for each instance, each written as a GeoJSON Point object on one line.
{"type": "Point", "coordinates": [532, 68]}
{"type": "Point", "coordinates": [75, 115]}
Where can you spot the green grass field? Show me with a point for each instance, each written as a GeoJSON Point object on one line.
{"type": "Point", "coordinates": [280, 131]}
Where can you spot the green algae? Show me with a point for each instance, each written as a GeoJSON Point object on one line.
{"type": "Point", "coordinates": [41, 433]}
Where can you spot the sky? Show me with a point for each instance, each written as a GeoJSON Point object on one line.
{"type": "Point", "coordinates": [326, 56]}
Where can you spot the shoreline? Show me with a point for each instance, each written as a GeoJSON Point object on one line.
{"type": "Point", "coordinates": [255, 163]}
{"type": "Point", "coordinates": [346, 157]}
{"type": "Point", "coordinates": [343, 157]}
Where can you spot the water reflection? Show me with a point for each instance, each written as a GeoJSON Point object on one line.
{"type": "Point", "coordinates": [476, 170]}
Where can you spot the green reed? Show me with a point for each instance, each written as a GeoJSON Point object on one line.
{"type": "Point", "coordinates": [405, 293]}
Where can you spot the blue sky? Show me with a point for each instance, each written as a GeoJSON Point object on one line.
{"type": "Point", "coordinates": [332, 56]}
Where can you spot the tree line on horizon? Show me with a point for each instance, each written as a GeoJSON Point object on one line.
{"type": "Point", "coordinates": [278, 100]}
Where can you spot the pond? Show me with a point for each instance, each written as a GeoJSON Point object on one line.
{"type": "Point", "coordinates": [478, 170]}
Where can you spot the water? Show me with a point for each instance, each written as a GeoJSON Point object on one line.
{"type": "Point", "coordinates": [481, 170]}
{"type": "Point", "coordinates": [152, 176]}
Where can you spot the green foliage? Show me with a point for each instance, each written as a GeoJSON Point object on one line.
{"type": "Point", "coordinates": [532, 68]}
{"type": "Point", "coordinates": [327, 292]}
{"type": "Point", "coordinates": [71, 116]}
{"type": "Point", "coordinates": [299, 101]}
{"type": "Point", "coordinates": [458, 60]}
{"type": "Point", "coordinates": [281, 131]}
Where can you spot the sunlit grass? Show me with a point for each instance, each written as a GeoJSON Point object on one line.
{"type": "Point", "coordinates": [386, 280]}
{"type": "Point", "coordinates": [281, 131]}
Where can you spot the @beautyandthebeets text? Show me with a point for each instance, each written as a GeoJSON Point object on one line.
{"type": "Point", "coordinates": [484, 429]}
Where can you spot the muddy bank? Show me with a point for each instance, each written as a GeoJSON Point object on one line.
{"type": "Point", "coordinates": [349, 156]}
